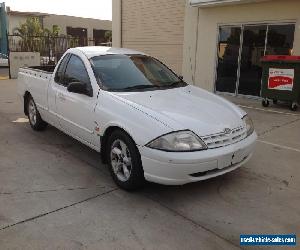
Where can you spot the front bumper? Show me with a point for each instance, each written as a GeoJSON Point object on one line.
{"type": "Point", "coordinates": [177, 168]}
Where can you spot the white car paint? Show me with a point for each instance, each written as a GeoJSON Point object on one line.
{"type": "Point", "coordinates": [144, 116]}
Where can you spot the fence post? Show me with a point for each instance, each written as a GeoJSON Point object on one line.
{"type": "Point", "coordinates": [8, 54]}
{"type": "Point", "coordinates": [49, 51]}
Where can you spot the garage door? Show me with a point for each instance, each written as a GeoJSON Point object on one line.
{"type": "Point", "coordinates": [156, 28]}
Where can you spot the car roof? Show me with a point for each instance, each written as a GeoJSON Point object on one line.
{"type": "Point", "coordinates": [92, 51]}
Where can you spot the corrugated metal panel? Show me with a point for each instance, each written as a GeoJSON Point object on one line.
{"type": "Point", "coordinates": [156, 28]}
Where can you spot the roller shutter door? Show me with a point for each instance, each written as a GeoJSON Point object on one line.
{"type": "Point", "coordinates": [156, 28]}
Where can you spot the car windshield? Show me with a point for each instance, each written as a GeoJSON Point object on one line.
{"type": "Point", "coordinates": [133, 72]}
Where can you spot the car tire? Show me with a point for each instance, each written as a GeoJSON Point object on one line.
{"type": "Point", "coordinates": [265, 103]}
{"type": "Point", "coordinates": [35, 120]}
{"type": "Point", "coordinates": [294, 106]}
{"type": "Point", "coordinates": [124, 161]}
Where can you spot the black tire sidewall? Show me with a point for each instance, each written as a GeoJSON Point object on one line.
{"type": "Point", "coordinates": [294, 107]}
{"type": "Point", "coordinates": [136, 179]}
{"type": "Point", "coordinates": [265, 103]}
{"type": "Point", "coordinates": [39, 124]}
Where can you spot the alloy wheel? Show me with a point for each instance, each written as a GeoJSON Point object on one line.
{"type": "Point", "coordinates": [32, 112]}
{"type": "Point", "coordinates": [121, 160]}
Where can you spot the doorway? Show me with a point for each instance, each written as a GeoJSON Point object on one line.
{"type": "Point", "coordinates": [240, 48]}
{"type": "Point", "coordinates": [80, 33]}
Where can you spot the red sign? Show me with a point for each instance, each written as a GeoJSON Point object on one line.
{"type": "Point", "coordinates": [281, 79]}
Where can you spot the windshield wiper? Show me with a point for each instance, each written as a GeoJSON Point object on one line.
{"type": "Point", "coordinates": [136, 87]}
{"type": "Point", "coordinates": [177, 83]}
{"type": "Point", "coordinates": [180, 83]}
{"type": "Point", "coordinates": [147, 86]}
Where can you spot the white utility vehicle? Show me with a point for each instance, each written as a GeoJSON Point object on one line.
{"type": "Point", "coordinates": [146, 121]}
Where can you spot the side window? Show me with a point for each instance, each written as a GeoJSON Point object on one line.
{"type": "Point", "coordinates": [59, 75]}
{"type": "Point", "coordinates": [76, 71]}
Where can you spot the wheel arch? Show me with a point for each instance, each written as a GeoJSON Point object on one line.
{"type": "Point", "coordinates": [104, 139]}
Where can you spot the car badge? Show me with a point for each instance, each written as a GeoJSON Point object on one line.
{"type": "Point", "coordinates": [227, 131]}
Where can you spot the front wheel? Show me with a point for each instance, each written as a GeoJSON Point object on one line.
{"type": "Point", "coordinates": [124, 161]}
{"type": "Point", "coordinates": [35, 119]}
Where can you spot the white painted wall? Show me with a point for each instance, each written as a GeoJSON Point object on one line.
{"type": "Point", "coordinates": [116, 23]}
{"type": "Point", "coordinates": [22, 59]}
{"type": "Point", "coordinates": [63, 22]}
{"type": "Point", "coordinates": [15, 22]}
{"type": "Point", "coordinates": [156, 28]}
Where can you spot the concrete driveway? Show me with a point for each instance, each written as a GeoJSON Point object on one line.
{"type": "Point", "coordinates": [55, 193]}
{"type": "Point", "coordinates": [4, 72]}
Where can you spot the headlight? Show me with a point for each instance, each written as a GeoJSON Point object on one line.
{"type": "Point", "coordinates": [249, 125]}
{"type": "Point", "coordinates": [181, 141]}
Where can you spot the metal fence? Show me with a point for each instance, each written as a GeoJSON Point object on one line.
{"type": "Point", "coordinates": [50, 48]}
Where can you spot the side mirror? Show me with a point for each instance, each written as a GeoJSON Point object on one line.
{"type": "Point", "coordinates": [181, 78]}
{"type": "Point", "coordinates": [79, 88]}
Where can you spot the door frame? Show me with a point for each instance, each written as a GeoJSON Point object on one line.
{"type": "Point", "coordinates": [242, 25]}
{"type": "Point", "coordinates": [216, 57]}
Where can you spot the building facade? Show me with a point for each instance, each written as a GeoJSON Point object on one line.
{"type": "Point", "coordinates": [90, 31]}
{"type": "Point", "coordinates": [214, 44]}
{"type": "Point", "coordinates": [155, 27]}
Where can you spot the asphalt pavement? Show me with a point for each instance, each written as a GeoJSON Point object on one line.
{"type": "Point", "coordinates": [56, 194]}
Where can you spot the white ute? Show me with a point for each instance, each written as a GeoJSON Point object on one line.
{"type": "Point", "coordinates": [146, 121]}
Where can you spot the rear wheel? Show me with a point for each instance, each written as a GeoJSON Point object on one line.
{"type": "Point", "coordinates": [35, 119]}
{"type": "Point", "coordinates": [124, 161]}
{"type": "Point", "coordinates": [275, 101]}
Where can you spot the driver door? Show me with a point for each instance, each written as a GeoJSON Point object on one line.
{"type": "Point", "coordinates": [75, 111]}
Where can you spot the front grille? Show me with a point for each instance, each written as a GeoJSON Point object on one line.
{"type": "Point", "coordinates": [223, 139]}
